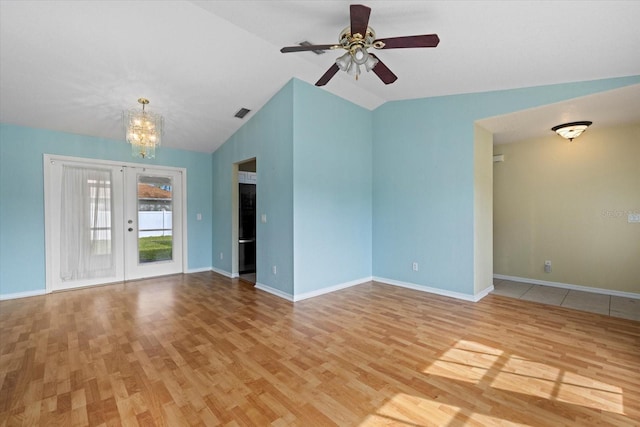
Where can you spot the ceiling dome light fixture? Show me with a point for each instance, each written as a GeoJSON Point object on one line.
{"type": "Point", "coordinates": [143, 130]}
{"type": "Point", "coordinates": [571, 130]}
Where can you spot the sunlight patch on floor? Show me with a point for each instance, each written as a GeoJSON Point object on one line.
{"type": "Point", "coordinates": [467, 361]}
{"type": "Point", "coordinates": [527, 377]}
{"type": "Point", "coordinates": [473, 362]}
{"type": "Point", "coordinates": [412, 411]}
{"type": "Point", "coordinates": [407, 410]}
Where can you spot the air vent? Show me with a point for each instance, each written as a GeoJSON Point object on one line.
{"type": "Point", "coordinates": [307, 43]}
{"type": "Point", "coordinates": [241, 113]}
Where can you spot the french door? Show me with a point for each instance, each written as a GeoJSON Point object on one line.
{"type": "Point", "coordinates": [153, 205]}
{"type": "Point", "coordinates": [109, 222]}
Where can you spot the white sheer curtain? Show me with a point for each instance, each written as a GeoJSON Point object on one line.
{"type": "Point", "coordinates": [85, 230]}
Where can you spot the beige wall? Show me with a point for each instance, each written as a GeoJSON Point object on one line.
{"type": "Point", "coordinates": [483, 210]}
{"type": "Point", "coordinates": [568, 202]}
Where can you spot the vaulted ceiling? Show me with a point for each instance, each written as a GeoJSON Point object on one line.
{"type": "Point", "coordinates": [74, 66]}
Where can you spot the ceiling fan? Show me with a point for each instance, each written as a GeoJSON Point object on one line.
{"type": "Point", "coordinates": [356, 39]}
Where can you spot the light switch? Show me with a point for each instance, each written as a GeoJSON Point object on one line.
{"type": "Point", "coordinates": [199, 217]}
{"type": "Point", "coordinates": [263, 218]}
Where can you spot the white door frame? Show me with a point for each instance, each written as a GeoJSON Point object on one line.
{"type": "Point", "coordinates": [48, 159]}
{"type": "Point", "coordinates": [137, 270]}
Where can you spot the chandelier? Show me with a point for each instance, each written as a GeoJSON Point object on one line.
{"type": "Point", "coordinates": [143, 130]}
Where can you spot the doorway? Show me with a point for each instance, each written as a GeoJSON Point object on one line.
{"type": "Point", "coordinates": [108, 222]}
{"type": "Point", "coordinates": [247, 241]}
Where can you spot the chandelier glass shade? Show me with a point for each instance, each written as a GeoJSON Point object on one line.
{"type": "Point", "coordinates": [143, 130]}
{"type": "Point", "coordinates": [571, 130]}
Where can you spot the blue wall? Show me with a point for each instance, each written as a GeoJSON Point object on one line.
{"type": "Point", "coordinates": [313, 153]}
{"type": "Point", "coordinates": [356, 193]}
{"type": "Point", "coordinates": [22, 236]}
{"type": "Point", "coordinates": [423, 180]}
{"type": "Point", "coordinates": [331, 190]}
{"type": "Point", "coordinates": [267, 136]}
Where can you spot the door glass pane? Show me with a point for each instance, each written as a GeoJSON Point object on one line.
{"type": "Point", "coordinates": [155, 225]}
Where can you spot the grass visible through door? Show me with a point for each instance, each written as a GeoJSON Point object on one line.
{"type": "Point", "coordinates": [155, 248]}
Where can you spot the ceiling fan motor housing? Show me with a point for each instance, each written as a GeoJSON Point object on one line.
{"type": "Point", "coordinates": [348, 41]}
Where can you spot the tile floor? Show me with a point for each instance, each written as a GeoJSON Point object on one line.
{"type": "Point", "coordinates": [627, 308]}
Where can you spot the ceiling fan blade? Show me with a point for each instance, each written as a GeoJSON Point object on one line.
{"type": "Point", "coordinates": [359, 18]}
{"type": "Point", "coordinates": [307, 47]}
{"type": "Point", "coordinates": [382, 71]}
{"type": "Point", "coordinates": [426, 40]}
{"type": "Point", "coordinates": [328, 75]}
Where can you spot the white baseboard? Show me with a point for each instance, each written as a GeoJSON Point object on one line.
{"type": "Point", "coordinates": [307, 295]}
{"type": "Point", "coordinates": [22, 294]}
{"type": "Point", "coordinates": [466, 297]}
{"type": "Point", "coordinates": [299, 297]}
{"type": "Point", "coordinates": [483, 293]}
{"type": "Point", "coordinates": [199, 270]}
{"type": "Point", "coordinates": [224, 273]}
{"type": "Point", "coordinates": [568, 286]}
{"type": "Point", "coordinates": [329, 289]}
{"type": "Point", "coordinates": [274, 291]}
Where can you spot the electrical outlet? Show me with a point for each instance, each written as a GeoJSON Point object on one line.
{"type": "Point", "coordinates": [547, 266]}
{"type": "Point", "coordinates": [274, 269]}
{"type": "Point", "coordinates": [415, 266]}
{"type": "Point", "coordinates": [221, 255]}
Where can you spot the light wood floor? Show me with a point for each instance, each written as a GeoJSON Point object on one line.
{"type": "Point", "coordinates": [201, 349]}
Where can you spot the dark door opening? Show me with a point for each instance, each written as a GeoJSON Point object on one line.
{"type": "Point", "coordinates": [247, 221]}
{"type": "Point", "coordinates": [247, 229]}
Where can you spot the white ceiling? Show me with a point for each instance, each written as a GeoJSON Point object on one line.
{"type": "Point", "coordinates": [75, 65]}
{"type": "Point", "coordinates": [604, 109]}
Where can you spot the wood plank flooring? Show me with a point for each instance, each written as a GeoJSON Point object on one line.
{"type": "Point", "coordinates": [201, 349]}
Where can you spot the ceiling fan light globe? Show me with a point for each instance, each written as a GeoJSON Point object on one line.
{"type": "Point", "coordinates": [354, 70]}
{"type": "Point", "coordinates": [360, 55]}
{"type": "Point", "coordinates": [370, 63]}
{"type": "Point", "coordinates": [344, 62]}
